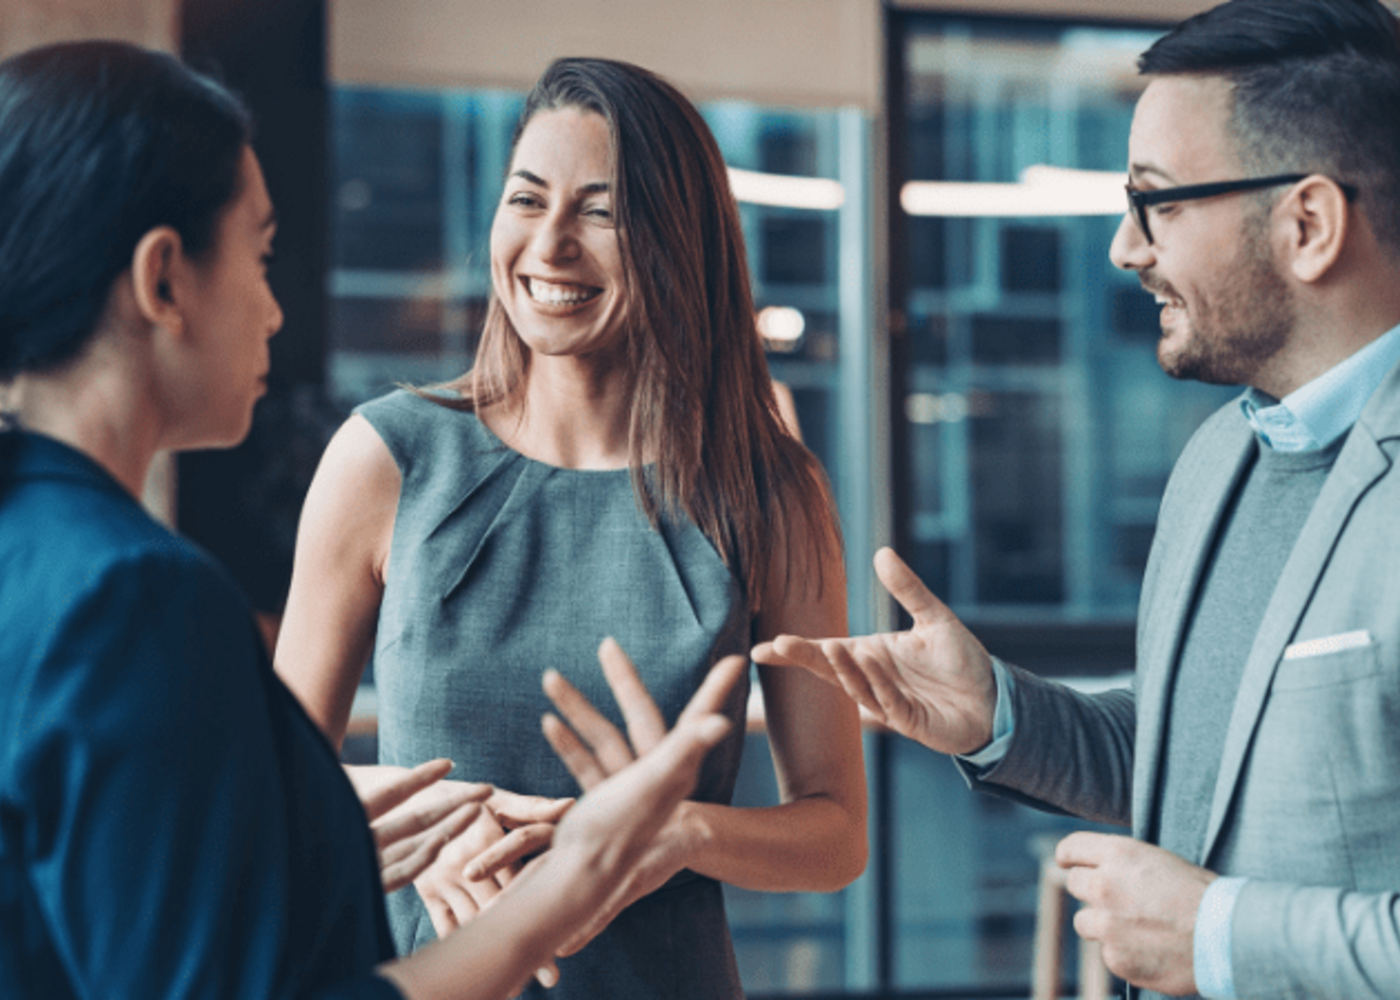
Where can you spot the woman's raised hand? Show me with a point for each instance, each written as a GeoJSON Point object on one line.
{"type": "Point", "coordinates": [626, 821]}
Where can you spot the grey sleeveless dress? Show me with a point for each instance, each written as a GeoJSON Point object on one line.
{"type": "Point", "coordinates": [502, 566]}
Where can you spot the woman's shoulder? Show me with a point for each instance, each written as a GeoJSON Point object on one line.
{"type": "Point", "coordinates": [80, 543]}
{"type": "Point", "coordinates": [416, 426]}
{"type": "Point", "coordinates": [97, 592]}
{"type": "Point", "coordinates": [62, 515]}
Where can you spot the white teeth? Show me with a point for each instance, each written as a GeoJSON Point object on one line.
{"type": "Point", "coordinates": [549, 294]}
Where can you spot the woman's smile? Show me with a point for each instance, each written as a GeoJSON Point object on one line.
{"type": "Point", "coordinates": [556, 262]}
{"type": "Point", "coordinates": [556, 293]}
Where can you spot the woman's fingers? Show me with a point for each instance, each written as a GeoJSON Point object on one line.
{"type": "Point", "coordinates": [513, 810]}
{"type": "Point", "coordinates": [402, 859]}
{"type": "Point", "coordinates": [384, 793]}
{"type": "Point", "coordinates": [572, 751]}
{"type": "Point", "coordinates": [715, 689]}
{"type": "Point", "coordinates": [517, 845]}
{"type": "Point", "coordinates": [645, 725]}
{"type": "Point", "coordinates": [606, 743]}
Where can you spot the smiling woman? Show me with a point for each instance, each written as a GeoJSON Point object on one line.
{"type": "Point", "coordinates": [613, 465]}
{"type": "Point", "coordinates": [555, 259]}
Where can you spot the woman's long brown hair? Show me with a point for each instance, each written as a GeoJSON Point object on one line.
{"type": "Point", "coordinates": [702, 399]}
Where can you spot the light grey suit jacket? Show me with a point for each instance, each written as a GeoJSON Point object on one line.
{"type": "Point", "coordinates": [1307, 801]}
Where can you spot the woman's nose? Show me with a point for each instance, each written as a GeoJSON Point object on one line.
{"type": "Point", "coordinates": [554, 239]}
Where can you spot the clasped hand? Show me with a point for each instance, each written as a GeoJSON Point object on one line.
{"type": "Point", "coordinates": [459, 843]}
{"type": "Point", "coordinates": [473, 869]}
{"type": "Point", "coordinates": [413, 814]}
{"type": "Point", "coordinates": [1140, 904]}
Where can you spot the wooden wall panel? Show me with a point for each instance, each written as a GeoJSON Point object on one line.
{"type": "Point", "coordinates": [798, 52]}
{"type": "Point", "coordinates": [25, 24]}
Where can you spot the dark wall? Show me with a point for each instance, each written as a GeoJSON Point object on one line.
{"type": "Point", "coordinates": [242, 504]}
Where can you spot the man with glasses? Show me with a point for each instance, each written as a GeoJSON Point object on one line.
{"type": "Point", "coordinates": [1257, 755]}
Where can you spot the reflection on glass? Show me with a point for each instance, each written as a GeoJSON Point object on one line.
{"type": "Point", "coordinates": [1039, 501]}
{"type": "Point", "coordinates": [1038, 432]}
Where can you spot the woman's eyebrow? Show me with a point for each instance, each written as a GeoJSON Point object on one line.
{"type": "Point", "coordinates": [595, 187]}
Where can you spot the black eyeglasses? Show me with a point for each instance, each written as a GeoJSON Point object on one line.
{"type": "Point", "coordinates": [1138, 201]}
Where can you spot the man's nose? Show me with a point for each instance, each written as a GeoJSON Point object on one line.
{"type": "Point", "coordinates": [1130, 249]}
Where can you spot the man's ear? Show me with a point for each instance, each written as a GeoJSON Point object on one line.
{"type": "Point", "coordinates": [156, 277]}
{"type": "Point", "coordinates": [1318, 223]}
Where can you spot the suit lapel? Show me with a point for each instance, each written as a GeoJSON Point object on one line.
{"type": "Point", "coordinates": [1361, 462]}
{"type": "Point", "coordinates": [1205, 481]}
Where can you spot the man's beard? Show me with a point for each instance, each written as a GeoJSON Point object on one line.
{"type": "Point", "coordinates": [1240, 330]}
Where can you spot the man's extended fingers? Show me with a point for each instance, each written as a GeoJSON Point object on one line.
{"type": "Point", "coordinates": [645, 724]}
{"type": "Point", "coordinates": [906, 588]}
{"type": "Point", "coordinates": [422, 813]}
{"type": "Point", "coordinates": [849, 674]}
{"type": "Point", "coordinates": [403, 825]}
{"type": "Point", "coordinates": [795, 651]}
{"type": "Point", "coordinates": [517, 845]}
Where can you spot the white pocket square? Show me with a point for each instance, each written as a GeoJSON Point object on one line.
{"type": "Point", "coordinates": [1328, 644]}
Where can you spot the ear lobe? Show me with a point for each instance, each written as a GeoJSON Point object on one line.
{"type": "Point", "coordinates": [155, 267]}
{"type": "Point", "coordinates": [1319, 222]}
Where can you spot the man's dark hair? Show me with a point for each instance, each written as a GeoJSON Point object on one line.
{"type": "Point", "coordinates": [1316, 89]}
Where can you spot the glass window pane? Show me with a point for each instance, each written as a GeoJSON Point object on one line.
{"type": "Point", "coordinates": [1037, 430]}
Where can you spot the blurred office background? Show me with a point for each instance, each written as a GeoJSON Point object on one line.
{"type": "Point", "coordinates": [977, 379]}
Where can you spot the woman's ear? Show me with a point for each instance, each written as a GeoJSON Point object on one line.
{"type": "Point", "coordinates": [1318, 221]}
{"type": "Point", "coordinates": [156, 273]}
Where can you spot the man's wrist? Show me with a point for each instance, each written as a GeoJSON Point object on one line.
{"type": "Point", "coordinates": [1211, 942]}
{"type": "Point", "coordinates": [1003, 722]}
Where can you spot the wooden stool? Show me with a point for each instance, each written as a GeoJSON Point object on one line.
{"type": "Point", "coordinates": [1046, 972]}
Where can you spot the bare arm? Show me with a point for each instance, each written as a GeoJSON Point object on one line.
{"type": "Point", "coordinates": [815, 839]}
{"type": "Point", "coordinates": [342, 555]}
{"type": "Point", "coordinates": [338, 576]}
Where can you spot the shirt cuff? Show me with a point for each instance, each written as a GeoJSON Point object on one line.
{"type": "Point", "coordinates": [1003, 722]}
{"type": "Point", "coordinates": [1215, 979]}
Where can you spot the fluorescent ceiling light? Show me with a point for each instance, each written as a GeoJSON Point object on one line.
{"type": "Point", "coordinates": [781, 323]}
{"type": "Point", "coordinates": [1042, 190]}
{"type": "Point", "coordinates": [786, 192]}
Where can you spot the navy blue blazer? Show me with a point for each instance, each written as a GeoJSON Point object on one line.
{"type": "Point", "coordinates": [171, 821]}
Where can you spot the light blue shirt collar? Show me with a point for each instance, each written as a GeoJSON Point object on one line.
{"type": "Point", "coordinates": [1312, 417]}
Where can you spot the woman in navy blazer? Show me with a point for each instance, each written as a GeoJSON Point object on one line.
{"type": "Point", "coordinates": [171, 823]}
